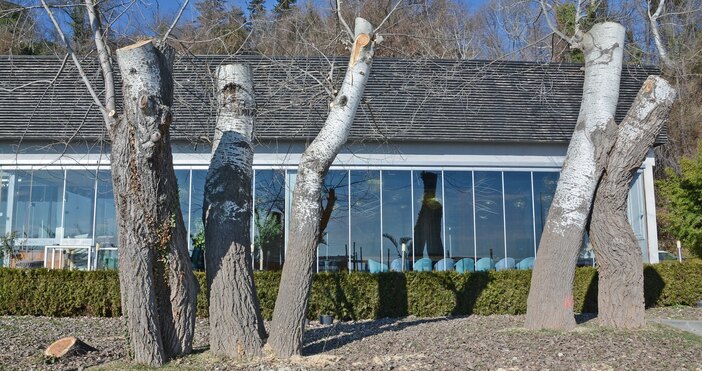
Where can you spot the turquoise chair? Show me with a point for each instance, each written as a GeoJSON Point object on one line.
{"type": "Point", "coordinates": [504, 264]}
{"type": "Point", "coordinates": [445, 264]}
{"type": "Point", "coordinates": [465, 265]}
{"type": "Point", "coordinates": [526, 263]}
{"type": "Point", "coordinates": [396, 265]}
{"type": "Point", "coordinates": [376, 267]}
{"type": "Point", "coordinates": [484, 264]}
{"type": "Point", "coordinates": [423, 265]}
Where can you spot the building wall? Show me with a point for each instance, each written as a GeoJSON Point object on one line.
{"type": "Point", "coordinates": [455, 200]}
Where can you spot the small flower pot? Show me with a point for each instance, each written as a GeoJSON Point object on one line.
{"type": "Point", "coordinates": [326, 319]}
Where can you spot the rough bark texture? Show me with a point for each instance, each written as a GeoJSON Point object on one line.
{"type": "Point", "coordinates": [236, 324]}
{"type": "Point", "coordinates": [621, 291]}
{"type": "Point", "coordinates": [157, 284]}
{"type": "Point", "coordinates": [291, 305]}
{"type": "Point", "coordinates": [550, 303]}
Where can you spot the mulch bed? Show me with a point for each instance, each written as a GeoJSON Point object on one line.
{"type": "Point", "coordinates": [473, 342]}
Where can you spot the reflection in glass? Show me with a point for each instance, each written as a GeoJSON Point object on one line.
{"type": "Point", "coordinates": [518, 215]}
{"type": "Point", "coordinates": [269, 219]}
{"type": "Point", "coordinates": [5, 206]}
{"type": "Point", "coordinates": [183, 177]}
{"type": "Point", "coordinates": [197, 195]}
{"type": "Point", "coordinates": [332, 251]}
{"type": "Point", "coordinates": [458, 192]}
{"type": "Point", "coordinates": [397, 218]}
{"type": "Point", "coordinates": [544, 189]}
{"type": "Point", "coordinates": [428, 209]}
{"type": "Point", "coordinates": [365, 222]}
{"type": "Point", "coordinates": [489, 223]}
{"type": "Point", "coordinates": [78, 207]}
{"type": "Point", "coordinates": [38, 207]}
{"type": "Point", "coordinates": [105, 213]}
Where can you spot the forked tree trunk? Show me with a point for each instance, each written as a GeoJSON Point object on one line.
{"type": "Point", "coordinates": [620, 299]}
{"type": "Point", "coordinates": [550, 302]}
{"type": "Point", "coordinates": [236, 325]}
{"type": "Point", "coordinates": [157, 284]}
{"type": "Point", "coordinates": [291, 305]}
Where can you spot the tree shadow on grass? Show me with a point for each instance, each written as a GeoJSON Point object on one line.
{"type": "Point", "coordinates": [323, 339]}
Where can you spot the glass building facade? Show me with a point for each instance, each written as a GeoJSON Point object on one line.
{"type": "Point", "coordinates": [374, 219]}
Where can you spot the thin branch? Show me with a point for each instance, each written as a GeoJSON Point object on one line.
{"type": "Point", "coordinates": [662, 52]}
{"type": "Point", "coordinates": [387, 16]}
{"type": "Point", "coordinates": [69, 50]}
{"type": "Point", "coordinates": [343, 22]}
{"type": "Point", "coordinates": [105, 60]}
{"type": "Point", "coordinates": [50, 82]}
{"type": "Point", "coordinates": [175, 21]}
{"type": "Point", "coordinates": [553, 27]}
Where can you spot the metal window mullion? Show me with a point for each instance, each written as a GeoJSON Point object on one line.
{"type": "Point", "coordinates": [382, 248]}
{"type": "Point", "coordinates": [504, 215]}
{"type": "Point", "coordinates": [190, 206]}
{"type": "Point", "coordinates": [413, 215]}
{"type": "Point", "coordinates": [443, 216]}
{"type": "Point", "coordinates": [348, 199]}
{"type": "Point", "coordinates": [63, 204]}
{"type": "Point", "coordinates": [475, 233]}
{"type": "Point", "coordinates": [95, 195]}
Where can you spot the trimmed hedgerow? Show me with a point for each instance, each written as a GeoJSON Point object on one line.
{"type": "Point", "coordinates": [348, 296]}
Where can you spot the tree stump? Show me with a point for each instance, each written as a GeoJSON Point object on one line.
{"type": "Point", "coordinates": [68, 346]}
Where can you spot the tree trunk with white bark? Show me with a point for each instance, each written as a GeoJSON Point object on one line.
{"type": "Point", "coordinates": [620, 299]}
{"type": "Point", "coordinates": [157, 283]}
{"type": "Point", "coordinates": [550, 302]}
{"type": "Point", "coordinates": [236, 325]}
{"type": "Point", "coordinates": [291, 305]}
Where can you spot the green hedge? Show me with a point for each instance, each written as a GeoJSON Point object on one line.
{"type": "Point", "coordinates": [348, 296]}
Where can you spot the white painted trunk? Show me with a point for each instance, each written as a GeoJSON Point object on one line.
{"type": "Point", "coordinates": [550, 303]}
{"type": "Point", "coordinates": [236, 325]}
{"type": "Point", "coordinates": [621, 287]}
{"type": "Point", "coordinates": [291, 305]}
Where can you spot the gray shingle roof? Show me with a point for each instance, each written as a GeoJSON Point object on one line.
{"type": "Point", "coordinates": [405, 100]}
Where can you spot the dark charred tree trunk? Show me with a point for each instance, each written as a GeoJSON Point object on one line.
{"type": "Point", "coordinates": [621, 292]}
{"type": "Point", "coordinates": [157, 284]}
{"type": "Point", "coordinates": [291, 305]}
{"type": "Point", "coordinates": [236, 325]}
{"type": "Point", "coordinates": [550, 302]}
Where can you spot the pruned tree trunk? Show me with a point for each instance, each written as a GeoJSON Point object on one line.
{"type": "Point", "coordinates": [157, 284]}
{"type": "Point", "coordinates": [291, 305]}
{"type": "Point", "coordinates": [620, 299]}
{"type": "Point", "coordinates": [68, 347]}
{"type": "Point", "coordinates": [550, 302]}
{"type": "Point", "coordinates": [236, 324]}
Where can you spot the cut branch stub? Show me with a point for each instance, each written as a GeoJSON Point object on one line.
{"type": "Point", "coordinates": [68, 346]}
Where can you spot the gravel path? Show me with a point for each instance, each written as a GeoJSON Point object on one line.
{"type": "Point", "coordinates": [473, 342]}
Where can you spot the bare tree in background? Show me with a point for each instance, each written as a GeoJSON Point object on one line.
{"type": "Point", "coordinates": [156, 280]}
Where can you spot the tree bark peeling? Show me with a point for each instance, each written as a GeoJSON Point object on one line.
{"type": "Point", "coordinates": [236, 324]}
{"type": "Point", "coordinates": [550, 302]}
{"type": "Point", "coordinates": [157, 284]}
{"type": "Point", "coordinates": [621, 291]}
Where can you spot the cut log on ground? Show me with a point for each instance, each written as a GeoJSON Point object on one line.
{"type": "Point", "coordinates": [68, 347]}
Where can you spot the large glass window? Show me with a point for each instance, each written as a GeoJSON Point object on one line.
{"type": "Point", "coordinates": [269, 219]}
{"type": "Point", "coordinates": [458, 192]}
{"type": "Point", "coordinates": [397, 218]}
{"type": "Point", "coordinates": [518, 215]}
{"type": "Point", "coordinates": [79, 202]}
{"type": "Point", "coordinates": [489, 222]}
{"type": "Point", "coordinates": [183, 177]}
{"type": "Point", "coordinates": [365, 222]}
{"type": "Point", "coordinates": [428, 210]}
{"type": "Point", "coordinates": [6, 186]}
{"type": "Point", "coordinates": [333, 249]}
{"type": "Point", "coordinates": [38, 205]}
{"type": "Point", "coordinates": [544, 189]}
{"type": "Point", "coordinates": [105, 212]}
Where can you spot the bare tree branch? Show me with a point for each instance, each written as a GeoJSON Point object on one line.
{"type": "Point", "coordinates": [105, 61]}
{"type": "Point", "coordinates": [653, 18]}
{"type": "Point", "coordinates": [387, 16]}
{"type": "Point", "coordinates": [341, 19]}
{"type": "Point", "coordinates": [69, 50]}
{"type": "Point", "coordinates": [175, 21]}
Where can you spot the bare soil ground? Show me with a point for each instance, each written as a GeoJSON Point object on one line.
{"type": "Point", "coordinates": [474, 342]}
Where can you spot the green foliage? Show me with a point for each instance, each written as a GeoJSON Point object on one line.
{"type": "Point", "coordinates": [682, 196]}
{"type": "Point", "coordinates": [348, 296]}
